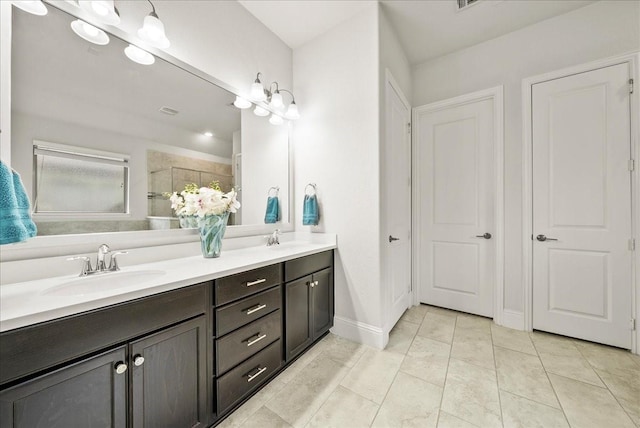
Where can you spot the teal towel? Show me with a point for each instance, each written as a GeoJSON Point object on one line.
{"type": "Point", "coordinates": [310, 213]}
{"type": "Point", "coordinates": [273, 210]}
{"type": "Point", "coordinates": [15, 211]}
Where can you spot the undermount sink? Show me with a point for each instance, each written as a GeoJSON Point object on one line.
{"type": "Point", "coordinates": [288, 245]}
{"type": "Point", "coordinates": [102, 282]}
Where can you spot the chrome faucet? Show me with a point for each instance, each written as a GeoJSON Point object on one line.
{"type": "Point", "coordinates": [101, 266]}
{"type": "Point", "coordinates": [273, 238]}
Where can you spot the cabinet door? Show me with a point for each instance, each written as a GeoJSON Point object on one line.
{"type": "Point", "coordinates": [322, 302]}
{"type": "Point", "coordinates": [297, 316]}
{"type": "Point", "coordinates": [89, 393]}
{"type": "Point", "coordinates": [169, 377]}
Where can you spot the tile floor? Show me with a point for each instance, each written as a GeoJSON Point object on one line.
{"type": "Point", "coordinates": [448, 369]}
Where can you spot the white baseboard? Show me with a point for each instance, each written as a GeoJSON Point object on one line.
{"type": "Point", "coordinates": [358, 332]}
{"type": "Point", "coordinates": [513, 319]}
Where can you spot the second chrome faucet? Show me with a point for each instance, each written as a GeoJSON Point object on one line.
{"type": "Point", "coordinates": [101, 266]}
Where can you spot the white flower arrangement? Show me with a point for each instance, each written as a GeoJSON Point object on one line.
{"type": "Point", "coordinates": [203, 201]}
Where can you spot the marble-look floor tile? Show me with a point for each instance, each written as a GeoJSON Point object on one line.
{"type": "Point", "coordinates": [401, 336]}
{"type": "Point", "coordinates": [615, 361]}
{"type": "Point", "coordinates": [626, 390]}
{"type": "Point", "coordinates": [572, 367]}
{"type": "Point", "coordinates": [442, 311]}
{"type": "Point", "coordinates": [243, 413]}
{"type": "Point", "coordinates": [265, 418]}
{"type": "Point", "coordinates": [344, 408]}
{"type": "Point", "coordinates": [589, 406]}
{"type": "Point", "coordinates": [438, 327]}
{"type": "Point", "coordinates": [555, 345]}
{"type": "Point", "coordinates": [445, 420]}
{"type": "Point", "coordinates": [342, 350]}
{"type": "Point", "coordinates": [473, 322]}
{"type": "Point", "coordinates": [523, 375]}
{"type": "Point", "coordinates": [410, 402]}
{"type": "Point", "coordinates": [299, 364]}
{"type": "Point", "coordinates": [428, 360]}
{"type": "Point", "coordinates": [415, 314]}
{"type": "Point", "coordinates": [299, 400]}
{"type": "Point", "coordinates": [519, 412]}
{"type": "Point", "coordinates": [512, 339]}
{"type": "Point", "coordinates": [478, 351]}
{"type": "Point", "coordinates": [372, 376]}
{"type": "Point", "coordinates": [471, 394]}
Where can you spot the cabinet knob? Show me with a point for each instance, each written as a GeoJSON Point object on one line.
{"type": "Point", "coordinates": [121, 367]}
{"type": "Point", "coordinates": [138, 360]}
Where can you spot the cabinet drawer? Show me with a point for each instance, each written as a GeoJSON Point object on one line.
{"type": "Point", "coordinates": [249, 375]}
{"type": "Point", "coordinates": [297, 268]}
{"type": "Point", "coordinates": [243, 284]}
{"type": "Point", "coordinates": [248, 340]}
{"type": "Point", "coordinates": [235, 315]}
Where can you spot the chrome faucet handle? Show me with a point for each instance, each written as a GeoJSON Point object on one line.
{"type": "Point", "coordinates": [113, 263]}
{"type": "Point", "coordinates": [103, 250]}
{"type": "Point", "coordinates": [86, 265]}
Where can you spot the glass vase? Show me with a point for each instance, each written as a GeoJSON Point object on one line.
{"type": "Point", "coordinates": [212, 228]}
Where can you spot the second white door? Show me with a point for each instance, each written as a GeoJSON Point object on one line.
{"type": "Point", "coordinates": [456, 262]}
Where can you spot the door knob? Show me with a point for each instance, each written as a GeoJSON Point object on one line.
{"type": "Point", "coordinates": [120, 367]}
{"type": "Point", "coordinates": [543, 238]}
{"type": "Point", "coordinates": [487, 235]}
{"type": "Point", "coordinates": [138, 360]}
{"type": "Point", "coordinates": [392, 238]}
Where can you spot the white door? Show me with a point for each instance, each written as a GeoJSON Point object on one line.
{"type": "Point", "coordinates": [456, 169]}
{"type": "Point", "coordinates": [398, 204]}
{"type": "Point", "coordinates": [582, 206]}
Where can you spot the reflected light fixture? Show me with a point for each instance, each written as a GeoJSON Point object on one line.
{"type": "Point", "coordinates": [104, 10]}
{"type": "Point", "coordinates": [208, 134]}
{"type": "Point", "coordinates": [242, 103]}
{"type": "Point", "coordinates": [292, 112]}
{"type": "Point", "coordinates": [138, 55]}
{"type": "Point", "coordinates": [259, 111]}
{"type": "Point", "coordinates": [35, 7]}
{"type": "Point", "coordinates": [89, 32]}
{"type": "Point", "coordinates": [152, 30]}
{"type": "Point", "coordinates": [275, 119]}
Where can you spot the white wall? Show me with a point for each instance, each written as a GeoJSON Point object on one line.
{"type": "Point", "coordinates": [5, 82]}
{"type": "Point", "coordinates": [596, 31]}
{"type": "Point", "coordinates": [336, 82]}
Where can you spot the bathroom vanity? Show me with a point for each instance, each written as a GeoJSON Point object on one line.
{"type": "Point", "coordinates": [185, 357]}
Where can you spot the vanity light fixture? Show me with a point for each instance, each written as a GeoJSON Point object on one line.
{"type": "Point", "coordinates": [242, 103]}
{"type": "Point", "coordinates": [104, 10]}
{"type": "Point", "coordinates": [138, 55]}
{"type": "Point", "coordinates": [152, 30]}
{"type": "Point", "coordinates": [259, 111]}
{"type": "Point", "coordinates": [275, 119]}
{"type": "Point", "coordinates": [257, 90]}
{"type": "Point", "coordinates": [89, 32]}
{"type": "Point", "coordinates": [35, 7]}
{"type": "Point", "coordinates": [273, 96]}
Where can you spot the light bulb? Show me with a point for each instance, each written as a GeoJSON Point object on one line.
{"type": "Point", "coordinates": [241, 103]}
{"type": "Point", "coordinates": [257, 92]}
{"type": "Point", "coordinates": [276, 120]}
{"type": "Point", "coordinates": [138, 55]}
{"type": "Point", "coordinates": [104, 10]}
{"type": "Point", "coordinates": [259, 111]}
{"type": "Point", "coordinates": [208, 134]}
{"type": "Point", "coordinates": [152, 32]}
{"type": "Point", "coordinates": [35, 7]}
{"type": "Point", "coordinates": [89, 32]}
{"type": "Point", "coordinates": [292, 112]}
{"type": "Point", "coordinates": [100, 8]}
{"type": "Point", "coordinates": [276, 101]}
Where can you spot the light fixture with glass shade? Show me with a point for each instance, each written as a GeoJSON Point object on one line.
{"type": "Point", "coordinates": [242, 103]}
{"type": "Point", "coordinates": [275, 119]}
{"type": "Point", "coordinates": [35, 7]}
{"type": "Point", "coordinates": [152, 30]}
{"type": "Point", "coordinates": [273, 96]}
{"type": "Point", "coordinates": [257, 90]}
{"type": "Point", "coordinates": [138, 55]}
{"type": "Point", "coordinates": [259, 111]}
{"type": "Point", "coordinates": [292, 112]}
{"type": "Point", "coordinates": [105, 11]}
{"type": "Point", "coordinates": [89, 32]}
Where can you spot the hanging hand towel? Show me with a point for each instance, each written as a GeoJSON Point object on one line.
{"type": "Point", "coordinates": [15, 211]}
{"type": "Point", "coordinates": [310, 213]}
{"type": "Point", "coordinates": [273, 210]}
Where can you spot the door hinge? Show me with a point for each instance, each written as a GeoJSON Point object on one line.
{"type": "Point", "coordinates": [632, 164]}
{"type": "Point", "coordinates": [632, 324]}
{"type": "Point", "coordinates": [631, 86]}
{"type": "Point", "coordinates": [632, 244]}
{"type": "Point", "coordinates": [409, 128]}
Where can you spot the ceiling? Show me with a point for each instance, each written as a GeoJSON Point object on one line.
{"type": "Point", "coordinates": [426, 28]}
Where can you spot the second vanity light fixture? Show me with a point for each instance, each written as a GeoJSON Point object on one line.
{"type": "Point", "coordinates": [273, 97]}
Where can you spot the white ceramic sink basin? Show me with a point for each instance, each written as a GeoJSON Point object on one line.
{"type": "Point", "coordinates": [102, 282]}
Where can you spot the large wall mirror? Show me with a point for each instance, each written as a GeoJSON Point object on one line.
{"type": "Point", "coordinates": [98, 139]}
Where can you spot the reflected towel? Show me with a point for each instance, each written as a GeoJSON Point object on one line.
{"type": "Point", "coordinates": [273, 210]}
{"type": "Point", "coordinates": [310, 213]}
{"type": "Point", "coordinates": [15, 211]}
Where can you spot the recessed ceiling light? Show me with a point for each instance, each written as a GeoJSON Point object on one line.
{"type": "Point", "coordinates": [208, 134]}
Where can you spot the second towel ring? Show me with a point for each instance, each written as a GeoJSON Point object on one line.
{"type": "Point", "coordinates": [276, 188]}
{"type": "Point", "coordinates": [313, 186]}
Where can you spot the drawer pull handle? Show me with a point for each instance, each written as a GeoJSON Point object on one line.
{"type": "Point", "coordinates": [258, 338]}
{"type": "Point", "coordinates": [255, 308]}
{"type": "Point", "coordinates": [258, 373]}
{"type": "Point", "coordinates": [257, 281]}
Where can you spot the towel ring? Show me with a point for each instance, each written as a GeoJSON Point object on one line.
{"type": "Point", "coordinates": [313, 185]}
{"type": "Point", "coordinates": [276, 188]}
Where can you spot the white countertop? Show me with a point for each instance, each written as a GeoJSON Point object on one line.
{"type": "Point", "coordinates": [30, 302]}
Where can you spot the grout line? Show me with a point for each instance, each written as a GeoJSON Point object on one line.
{"type": "Point", "coordinates": [495, 366]}
{"type": "Point", "coordinates": [615, 397]}
{"type": "Point", "coordinates": [446, 373]}
{"type": "Point", "coordinates": [546, 373]}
